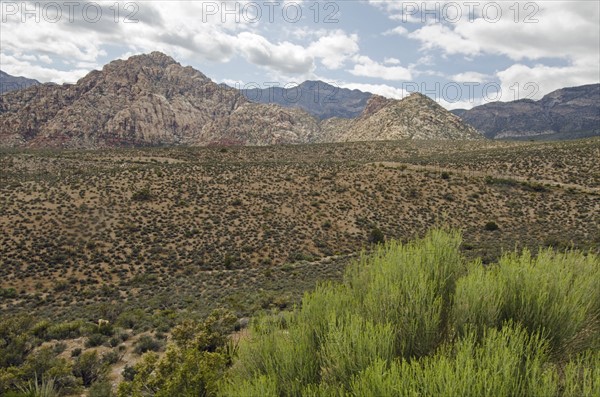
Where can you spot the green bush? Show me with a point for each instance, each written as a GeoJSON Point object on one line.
{"type": "Point", "coordinates": [146, 343]}
{"type": "Point", "coordinates": [95, 340]}
{"type": "Point", "coordinates": [191, 366]}
{"type": "Point", "coordinates": [376, 236]}
{"type": "Point", "coordinates": [491, 226]}
{"type": "Point", "coordinates": [15, 340]}
{"type": "Point", "coordinates": [415, 319]}
{"type": "Point", "coordinates": [101, 389]}
{"type": "Point", "coordinates": [67, 330]}
{"type": "Point", "coordinates": [142, 195]}
{"type": "Point", "coordinates": [554, 293]}
{"type": "Point", "coordinates": [89, 367]}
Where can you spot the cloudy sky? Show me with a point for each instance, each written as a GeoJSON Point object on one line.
{"type": "Point", "coordinates": [460, 53]}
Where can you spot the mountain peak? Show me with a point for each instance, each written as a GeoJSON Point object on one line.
{"type": "Point", "coordinates": [322, 100]}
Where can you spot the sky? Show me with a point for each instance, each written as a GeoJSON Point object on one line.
{"type": "Point", "coordinates": [460, 53]}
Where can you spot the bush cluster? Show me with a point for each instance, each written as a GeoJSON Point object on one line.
{"type": "Point", "coordinates": [416, 319]}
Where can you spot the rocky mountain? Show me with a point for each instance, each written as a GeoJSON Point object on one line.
{"type": "Point", "coordinates": [566, 113]}
{"type": "Point", "coordinates": [318, 98]}
{"type": "Point", "coordinates": [11, 83]}
{"type": "Point", "coordinates": [151, 100]}
{"type": "Point", "coordinates": [414, 117]}
{"type": "Point", "coordinates": [145, 100]}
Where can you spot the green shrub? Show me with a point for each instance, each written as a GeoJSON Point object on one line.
{"type": "Point", "coordinates": [508, 362]}
{"type": "Point", "coordinates": [89, 367]}
{"type": "Point", "coordinates": [192, 366]}
{"type": "Point", "coordinates": [15, 340]}
{"type": "Point", "coordinates": [95, 340]}
{"type": "Point", "coordinates": [145, 344]}
{"type": "Point", "coordinates": [491, 226]}
{"type": "Point", "coordinates": [67, 330]}
{"type": "Point", "coordinates": [415, 320]}
{"type": "Point", "coordinates": [376, 236]}
{"type": "Point", "coordinates": [101, 389]}
{"type": "Point", "coordinates": [553, 293]}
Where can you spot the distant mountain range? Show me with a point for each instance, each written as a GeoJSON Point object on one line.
{"type": "Point", "coordinates": [12, 83]}
{"type": "Point", "coordinates": [563, 114]}
{"type": "Point", "coordinates": [150, 100]}
{"type": "Point", "coordinates": [318, 98]}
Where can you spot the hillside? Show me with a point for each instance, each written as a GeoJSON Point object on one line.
{"type": "Point", "coordinates": [568, 113]}
{"type": "Point", "coordinates": [149, 238]}
{"type": "Point", "coordinates": [142, 221]}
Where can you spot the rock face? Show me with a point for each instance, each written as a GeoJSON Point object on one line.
{"type": "Point", "coordinates": [12, 83]}
{"type": "Point", "coordinates": [143, 101]}
{"type": "Point", "coordinates": [320, 99]}
{"type": "Point", "coordinates": [151, 100]}
{"type": "Point", "coordinates": [414, 117]}
{"type": "Point", "coordinates": [566, 113]}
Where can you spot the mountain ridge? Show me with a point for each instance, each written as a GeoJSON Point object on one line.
{"type": "Point", "coordinates": [152, 100]}
{"type": "Point", "coordinates": [320, 99]}
{"type": "Point", "coordinates": [568, 111]}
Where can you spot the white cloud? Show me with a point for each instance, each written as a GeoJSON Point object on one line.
{"type": "Point", "coordinates": [391, 61]}
{"type": "Point", "coordinates": [521, 81]}
{"type": "Point", "coordinates": [470, 77]}
{"type": "Point", "coordinates": [284, 57]}
{"type": "Point", "coordinates": [464, 104]}
{"type": "Point", "coordinates": [335, 48]}
{"type": "Point", "coordinates": [366, 67]}
{"type": "Point", "coordinates": [564, 29]}
{"type": "Point", "coordinates": [379, 89]}
{"type": "Point", "coordinates": [398, 30]}
{"type": "Point", "coordinates": [438, 36]}
{"type": "Point", "coordinates": [18, 67]}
